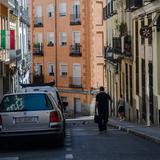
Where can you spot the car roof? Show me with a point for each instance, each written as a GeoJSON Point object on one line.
{"type": "Point", "coordinates": [19, 93]}
{"type": "Point", "coordinates": [39, 88]}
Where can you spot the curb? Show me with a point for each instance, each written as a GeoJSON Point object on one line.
{"type": "Point", "coordinates": [136, 133]}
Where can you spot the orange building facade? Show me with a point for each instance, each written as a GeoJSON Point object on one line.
{"type": "Point", "coordinates": [68, 40]}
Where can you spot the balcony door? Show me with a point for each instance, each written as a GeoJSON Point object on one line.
{"type": "Point", "coordinates": [38, 11]}
{"type": "Point", "coordinates": [76, 74]}
{"type": "Point", "coordinates": [76, 9]}
{"type": "Point", "coordinates": [76, 37]}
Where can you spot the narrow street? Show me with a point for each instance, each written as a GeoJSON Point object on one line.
{"type": "Point", "coordinates": [84, 142]}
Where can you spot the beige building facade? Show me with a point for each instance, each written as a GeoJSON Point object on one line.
{"type": "Point", "coordinates": [118, 55]}
{"type": "Point", "coordinates": [131, 53]}
{"type": "Point", "coordinates": [65, 49]}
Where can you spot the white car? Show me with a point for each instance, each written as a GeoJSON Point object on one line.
{"type": "Point", "coordinates": [31, 114]}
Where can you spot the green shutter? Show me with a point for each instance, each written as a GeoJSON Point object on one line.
{"type": "Point", "coordinates": [3, 39]}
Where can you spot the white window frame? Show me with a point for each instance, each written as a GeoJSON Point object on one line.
{"type": "Point", "coordinates": [63, 71]}
{"type": "Point", "coordinates": [38, 11]}
{"type": "Point", "coordinates": [50, 10]}
{"type": "Point", "coordinates": [50, 41]}
{"type": "Point", "coordinates": [76, 40]}
{"type": "Point", "coordinates": [38, 37]}
{"type": "Point", "coordinates": [63, 9]}
{"type": "Point", "coordinates": [63, 38]}
{"type": "Point", "coordinates": [51, 69]}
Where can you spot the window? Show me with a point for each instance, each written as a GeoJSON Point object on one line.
{"type": "Point", "coordinates": [63, 69]}
{"type": "Point", "coordinates": [38, 69]}
{"type": "Point", "coordinates": [76, 37]}
{"type": "Point", "coordinates": [38, 37]}
{"type": "Point", "coordinates": [26, 102]}
{"type": "Point", "coordinates": [50, 39]}
{"type": "Point", "coordinates": [62, 9]}
{"type": "Point", "coordinates": [50, 10]}
{"type": "Point", "coordinates": [63, 39]}
{"type": "Point", "coordinates": [51, 69]}
{"type": "Point", "coordinates": [38, 11]}
{"type": "Point", "coordinates": [76, 9]}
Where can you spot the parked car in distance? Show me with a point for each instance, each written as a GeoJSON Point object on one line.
{"type": "Point", "coordinates": [31, 114]}
{"type": "Point", "coordinates": [45, 87]}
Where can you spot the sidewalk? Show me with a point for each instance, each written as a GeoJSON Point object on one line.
{"type": "Point", "coordinates": [149, 133]}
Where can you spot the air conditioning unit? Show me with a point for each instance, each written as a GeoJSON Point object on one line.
{"type": "Point", "coordinates": [2, 69]}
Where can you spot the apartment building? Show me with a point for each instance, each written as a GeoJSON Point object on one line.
{"type": "Point", "coordinates": [65, 49]}
{"type": "Point", "coordinates": [8, 51]}
{"type": "Point", "coordinates": [145, 20]}
{"type": "Point", "coordinates": [118, 55]}
{"type": "Point", "coordinates": [131, 53]}
{"type": "Point", "coordinates": [24, 41]}
{"type": "Point", "coordinates": [11, 50]}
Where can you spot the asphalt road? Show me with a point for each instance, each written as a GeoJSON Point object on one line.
{"type": "Point", "coordinates": [83, 142]}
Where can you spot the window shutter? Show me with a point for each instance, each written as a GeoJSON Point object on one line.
{"type": "Point", "coordinates": [63, 69]}
{"type": "Point", "coordinates": [50, 10]}
{"type": "Point", "coordinates": [63, 38]}
{"type": "Point", "coordinates": [38, 12]}
{"type": "Point", "coordinates": [63, 9]}
{"type": "Point", "coordinates": [50, 37]}
{"type": "Point", "coordinates": [12, 39]}
{"type": "Point", "coordinates": [76, 37]}
{"type": "Point", "coordinates": [3, 39]}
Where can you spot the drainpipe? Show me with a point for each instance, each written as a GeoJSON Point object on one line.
{"type": "Point", "coordinates": [56, 58]}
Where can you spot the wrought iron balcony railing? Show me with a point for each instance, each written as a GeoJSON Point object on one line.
{"type": "Point", "coordinates": [133, 4]}
{"type": "Point", "coordinates": [75, 50]}
{"type": "Point", "coordinates": [38, 49]}
{"type": "Point", "coordinates": [75, 82]}
{"type": "Point", "coordinates": [38, 78]}
{"type": "Point", "coordinates": [38, 22]}
{"type": "Point", "coordinates": [117, 48]}
{"type": "Point", "coordinates": [75, 19]}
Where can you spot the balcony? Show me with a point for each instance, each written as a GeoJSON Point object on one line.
{"type": "Point", "coordinates": [38, 49]}
{"type": "Point", "coordinates": [132, 5]}
{"type": "Point", "coordinates": [75, 19]}
{"type": "Point", "coordinates": [108, 53]}
{"type": "Point", "coordinates": [50, 44]}
{"type": "Point", "coordinates": [75, 50]}
{"type": "Point", "coordinates": [127, 46]}
{"type": "Point", "coordinates": [12, 5]}
{"type": "Point", "coordinates": [24, 17]}
{"type": "Point", "coordinates": [38, 78]}
{"type": "Point", "coordinates": [75, 82]}
{"type": "Point", "coordinates": [38, 22]}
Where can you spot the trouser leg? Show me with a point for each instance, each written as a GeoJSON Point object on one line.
{"type": "Point", "coordinates": [100, 123]}
{"type": "Point", "coordinates": [105, 120]}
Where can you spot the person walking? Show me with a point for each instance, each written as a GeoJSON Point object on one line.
{"type": "Point", "coordinates": [121, 108]}
{"type": "Point", "coordinates": [102, 104]}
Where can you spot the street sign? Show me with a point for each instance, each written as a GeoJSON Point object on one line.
{"type": "Point", "coordinates": [146, 31]}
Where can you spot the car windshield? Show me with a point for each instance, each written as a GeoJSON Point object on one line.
{"type": "Point", "coordinates": [25, 102]}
